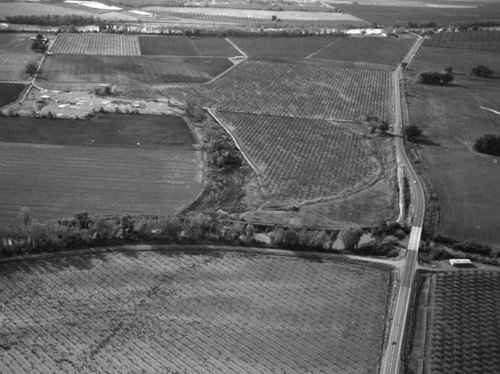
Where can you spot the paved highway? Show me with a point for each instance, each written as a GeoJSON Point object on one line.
{"type": "Point", "coordinates": [391, 362]}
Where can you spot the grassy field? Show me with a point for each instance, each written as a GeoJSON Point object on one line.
{"type": "Point", "coordinates": [114, 164]}
{"type": "Point", "coordinates": [208, 313]}
{"type": "Point", "coordinates": [374, 50]}
{"type": "Point", "coordinates": [9, 92]}
{"type": "Point", "coordinates": [15, 53]}
{"type": "Point", "coordinates": [457, 323]}
{"type": "Point", "coordinates": [402, 14]}
{"type": "Point", "coordinates": [451, 117]}
{"type": "Point", "coordinates": [481, 40]}
{"type": "Point", "coordinates": [97, 44]}
{"type": "Point", "coordinates": [130, 69]}
{"type": "Point", "coordinates": [281, 49]}
{"type": "Point", "coordinates": [312, 88]}
{"type": "Point", "coordinates": [12, 66]}
{"type": "Point", "coordinates": [302, 159]}
{"type": "Point", "coordinates": [184, 46]}
{"type": "Point", "coordinates": [15, 43]}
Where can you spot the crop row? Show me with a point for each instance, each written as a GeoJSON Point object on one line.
{"type": "Point", "coordinates": [482, 40]}
{"type": "Point", "coordinates": [207, 17]}
{"type": "Point", "coordinates": [308, 88]}
{"type": "Point", "coordinates": [465, 323]}
{"type": "Point", "coordinates": [163, 312]}
{"type": "Point", "coordinates": [303, 159]}
{"type": "Point", "coordinates": [97, 44]}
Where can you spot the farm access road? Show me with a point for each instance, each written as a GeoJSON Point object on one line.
{"type": "Point", "coordinates": [391, 362]}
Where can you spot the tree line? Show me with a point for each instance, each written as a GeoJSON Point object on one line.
{"type": "Point", "coordinates": [54, 20]}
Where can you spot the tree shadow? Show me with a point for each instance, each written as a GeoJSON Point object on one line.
{"type": "Point", "coordinates": [423, 140]}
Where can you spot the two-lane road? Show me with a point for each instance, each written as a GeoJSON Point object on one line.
{"type": "Point", "coordinates": [391, 362]}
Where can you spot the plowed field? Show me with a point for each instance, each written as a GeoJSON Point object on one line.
{"type": "Point", "coordinates": [160, 312]}
{"type": "Point", "coordinates": [113, 165]}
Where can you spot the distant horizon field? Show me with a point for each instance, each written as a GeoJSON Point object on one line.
{"type": "Point", "coordinates": [391, 14]}
{"type": "Point", "coordinates": [113, 165]}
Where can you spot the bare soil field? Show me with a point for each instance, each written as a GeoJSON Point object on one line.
{"type": "Point", "coordinates": [130, 69]}
{"type": "Point", "coordinates": [481, 40]}
{"type": "Point", "coordinates": [373, 50]}
{"type": "Point", "coordinates": [399, 13]}
{"type": "Point", "coordinates": [302, 159]}
{"type": "Point", "coordinates": [306, 88]}
{"type": "Point", "coordinates": [456, 323]}
{"type": "Point", "coordinates": [155, 312]}
{"type": "Point", "coordinates": [9, 92]}
{"type": "Point", "coordinates": [184, 46]}
{"type": "Point", "coordinates": [452, 119]}
{"type": "Point", "coordinates": [111, 165]}
{"type": "Point", "coordinates": [97, 44]}
{"type": "Point", "coordinates": [281, 49]}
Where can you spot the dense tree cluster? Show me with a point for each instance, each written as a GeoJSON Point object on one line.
{"type": "Point", "coordinates": [54, 20]}
{"type": "Point", "coordinates": [40, 44]}
{"type": "Point", "coordinates": [482, 71]}
{"type": "Point", "coordinates": [435, 77]}
{"type": "Point", "coordinates": [489, 144]}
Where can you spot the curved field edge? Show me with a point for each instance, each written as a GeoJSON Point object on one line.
{"type": "Point", "coordinates": [193, 313]}
{"type": "Point", "coordinates": [301, 160]}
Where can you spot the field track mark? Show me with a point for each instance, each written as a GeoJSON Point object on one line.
{"type": "Point", "coordinates": [322, 48]}
{"type": "Point", "coordinates": [236, 47]}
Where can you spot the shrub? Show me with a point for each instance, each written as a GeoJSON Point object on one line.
{"type": "Point", "coordinates": [472, 247]}
{"type": "Point", "coordinates": [277, 236]}
{"type": "Point", "coordinates": [379, 248]}
{"type": "Point", "coordinates": [103, 91]}
{"type": "Point", "coordinates": [195, 110]}
{"type": "Point", "coordinates": [435, 77]}
{"type": "Point", "coordinates": [482, 71]}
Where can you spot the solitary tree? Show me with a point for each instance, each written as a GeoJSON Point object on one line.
{"type": "Point", "coordinates": [449, 69]}
{"type": "Point", "coordinates": [383, 127]}
{"type": "Point", "coordinates": [482, 71]}
{"type": "Point", "coordinates": [412, 132]}
{"type": "Point", "coordinates": [31, 69]}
